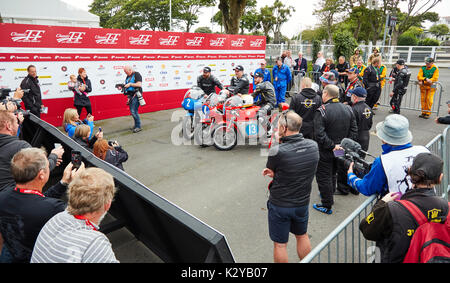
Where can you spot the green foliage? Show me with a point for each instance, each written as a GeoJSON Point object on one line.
{"type": "Point", "coordinates": [407, 39]}
{"type": "Point", "coordinates": [438, 30]}
{"type": "Point", "coordinates": [344, 44]}
{"type": "Point", "coordinates": [429, 42]}
{"type": "Point", "coordinates": [315, 49]}
{"type": "Point", "coordinates": [203, 30]}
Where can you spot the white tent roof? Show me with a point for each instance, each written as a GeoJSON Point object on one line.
{"type": "Point", "coordinates": [48, 12]}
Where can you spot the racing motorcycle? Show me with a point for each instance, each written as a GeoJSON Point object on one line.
{"type": "Point", "coordinates": [235, 121]}
{"type": "Point", "coordinates": [192, 103]}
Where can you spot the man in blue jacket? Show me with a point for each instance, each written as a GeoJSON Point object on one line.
{"type": "Point", "coordinates": [281, 78]}
{"type": "Point", "coordinates": [264, 71]}
{"type": "Point", "coordinates": [389, 171]}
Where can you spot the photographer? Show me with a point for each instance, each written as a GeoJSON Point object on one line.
{"type": "Point", "coordinates": [33, 99]}
{"type": "Point", "coordinates": [133, 86]}
{"type": "Point", "coordinates": [388, 171]}
{"type": "Point", "coordinates": [10, 145]}
{"type": "Point", "coordinates": [390, 223]}
{"type": "Point", "coordinates": [110, 152]}
{"type": "Point", "coordinates": [333, 122]}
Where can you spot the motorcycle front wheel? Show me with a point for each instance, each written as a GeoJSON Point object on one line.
{"type": "Point", "coordinates": [224, 139]}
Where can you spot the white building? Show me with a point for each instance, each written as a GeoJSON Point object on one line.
{"type": "Point", "coordinates": [46, 12]}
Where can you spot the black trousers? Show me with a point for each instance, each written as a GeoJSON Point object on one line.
{"type": "Point", "coordinates": [363, 140]}
{"type": "Point", "coordinates": [396, 101]}
{"type": "Point", "coordinates": [373, 94]}
{"type": "Point", "coordinates": [330, 173]}
{"type": "Point", "coordinates": [80, 108]}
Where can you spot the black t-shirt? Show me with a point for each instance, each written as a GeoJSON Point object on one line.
{"type": "Point", "coordinates": [129, 79]}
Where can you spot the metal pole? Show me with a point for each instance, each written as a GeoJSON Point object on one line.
{"type": "Point", "coordinates": [170, 15]}
{"type": "Point", "coordinates": [385, 32]}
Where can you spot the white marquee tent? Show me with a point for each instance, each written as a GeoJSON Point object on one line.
{"type": "Point", "coordinates": [46, 12]}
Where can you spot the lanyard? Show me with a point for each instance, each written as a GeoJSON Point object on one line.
{"type": "Point", "coordinates": [350, 86]}
{"type": "Point", "coordinates": [88, 223]}
{"type": "Point", "coordinates": [28, 191]}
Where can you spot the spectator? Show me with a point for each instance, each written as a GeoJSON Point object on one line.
{"type": "Point", "coordinates": [10, 145]}
{"type": "Point", "coordinates": [342, 69]}
{"type": "Point", "coordinates": [333, 122]}
{"type": "Point", "coordinates": [390, 223]}
{"type": "Point", "coordinates": [360, 67]}
{"type": "Point", "coordinates": [133, 89]}
{"type": "Point", "coordinates": [71, 120]}
{"type": "Point", "coordinates": [84, 86]}
{"type": "Point", "coordinates": [354, 82]}
{"type": "Point", "coordinates": [32, 100]}
{"type": "Point", "coordinates": [292, 165]}
{"type": "Point", "coordinates": [264, 71]}
{"type": "Point", "coordinates": [111, 153]}
{"type": "Point", "coordinates": [320, 60]}
{"type": "Point", "coordinates": [81, 136]}
{"type": "Point", "coordinates": [355, 57]}
{"type": "Point", "coordinates": [371, 81]}
{"type": "Point", "coordinates": [24, 208]}
{"type": "Point", "coordinates": [387, 173]}
{"type": "Point", "coordinates": [89, 198]}
{"type": "Point", "coordinates": [382, 71]}
{"type": "Point", "coordinates": [328, 66]}
{"type": "Point", "coordinates": [375, 54]}
{"type": "Point", "coordinates": [330, 78]}
{"type": "Point", "coordinates": [300, 69]}
{"type": "Point", "coordinates": [281, 78]}
{"type": "Point", "coordinates": [305, 104]}
{"type": "Point", "coordinates": [446, 119]}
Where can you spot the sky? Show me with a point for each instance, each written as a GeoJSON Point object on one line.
{"type": "Point", "coordinates": [301, 19]}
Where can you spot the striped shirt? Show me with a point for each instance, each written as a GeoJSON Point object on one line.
{"type": "Point", "coordinates": [67, 239]}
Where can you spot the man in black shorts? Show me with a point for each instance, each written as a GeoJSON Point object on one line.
{"type": "Point", "coordinates": [292, 164]}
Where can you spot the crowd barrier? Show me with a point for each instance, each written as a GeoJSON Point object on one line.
{"type": "Point", "coordinates": [346, 244]}
{"type": "Point", "coordinates": [169, 232]}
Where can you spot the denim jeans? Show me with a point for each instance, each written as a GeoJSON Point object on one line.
{"type": "Point", "coordinates": [134, 107]}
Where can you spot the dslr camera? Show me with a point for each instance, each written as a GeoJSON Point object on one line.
{"type": "Point", "coordinates": [5, 98]}
{"type": "Point", "coordinates": [352, 153]}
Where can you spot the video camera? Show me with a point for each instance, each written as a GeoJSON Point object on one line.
{"type": "Point", "coordinates": [5, 98]}
{"type": "Point", "coordinates": [352, 153]}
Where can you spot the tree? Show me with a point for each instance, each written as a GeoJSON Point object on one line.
{"type": "Point", "coordinates": [267, 20]}
{"type": "Point", "coordinates": [203, 30]}
{"type": "Point", "coordinates": [344, 44]}
{"type": "Point", "coordinates": [281, 14]}
{"type": "Point", "coordinates": [187, 11]}
{"type": "Point", "coordinates": [328, 11]}
{"type": "Point", "coordinates": [250, 20]}
{"type": "Point", "coordinates": [232, 11]}
{"type": "Point", "coordinates": [439, 30]}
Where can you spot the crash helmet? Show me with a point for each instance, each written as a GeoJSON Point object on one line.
{"type": "Point", "coordinates": [195, 93]}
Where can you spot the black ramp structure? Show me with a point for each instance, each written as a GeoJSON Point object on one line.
{"type": "Point", "coordinates": [168, 231]}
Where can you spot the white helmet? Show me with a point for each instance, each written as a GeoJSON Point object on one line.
{"type": "Point", "coordinates": [247, 100]}
{"type": "Point", "coordinates": [195, 92]}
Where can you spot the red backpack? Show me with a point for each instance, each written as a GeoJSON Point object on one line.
{"type": "Point", "coordinates": [430, 242]}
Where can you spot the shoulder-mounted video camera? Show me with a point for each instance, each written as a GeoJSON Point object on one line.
{"type": "Point", "coordinates": [353, 153]}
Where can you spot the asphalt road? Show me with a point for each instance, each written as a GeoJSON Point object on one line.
{"type": "Point", "coordinates": [226, 189]}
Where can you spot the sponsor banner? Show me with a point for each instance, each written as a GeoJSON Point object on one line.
{"type": "Point", "coordinates": [168, 62]}
{"type": "Point", "coordinates": [39, 36]}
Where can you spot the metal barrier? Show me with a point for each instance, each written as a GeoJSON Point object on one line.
{"type": "Point", "coordinates": [347, 244]}
{"type": "Point", "coordinates": [167, 230]}
{"type": "Point", "coordinates": [411, 99]}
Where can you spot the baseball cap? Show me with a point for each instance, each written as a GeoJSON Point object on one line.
{"type": "Point", "coordinates": [400, 62]}
{"type": "Point", "coordinates": [239, 67]}
{"type": "Point", "coordinates": [430, 165]}
{"type": "Point", "coordinates": [429, 60]}
{"type": "Point", "coordinates": [352, 70]}
{"type": "Point", "coordinates": [358, 91]}
{"type": "Point", "coordinates": [207, 69]}
{"type": "Point", "coordinates": [259, 74]}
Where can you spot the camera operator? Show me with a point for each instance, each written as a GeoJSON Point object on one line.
{"type": "Point", "coordinates": [388, 170]}
{"type": "Point", "coordinates": [332, 122]}
{"type": "Point", "coordinates": [33, 99]}
{"type": "Point", "coordinates": [10, 145]}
